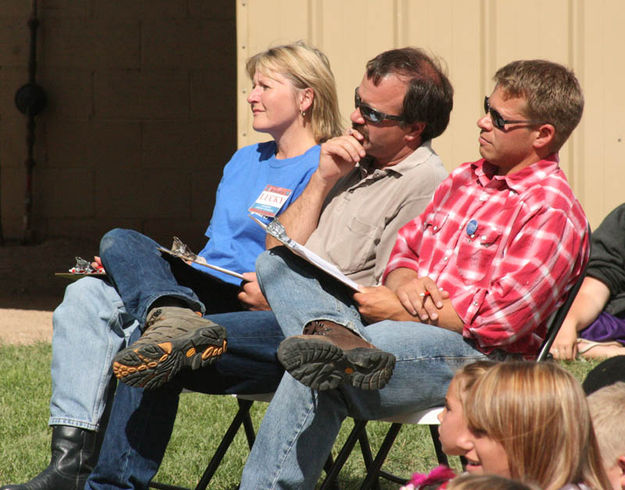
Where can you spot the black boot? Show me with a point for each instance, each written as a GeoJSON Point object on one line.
{"type": "Point", "coordinates": [74, 454]}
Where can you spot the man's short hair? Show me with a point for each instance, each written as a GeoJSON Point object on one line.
{"type": "Point", "coordinates": [429, 96]}
{"type": "Point", "coordinates": [607, 411]}
{"type": "Point", "coordinates": [551, 91]}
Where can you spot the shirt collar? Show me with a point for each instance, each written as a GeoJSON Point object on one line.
{"type": "Point", "coordinates": [518, 181]}
{"type": "Point", "coordinates": [417, 157]}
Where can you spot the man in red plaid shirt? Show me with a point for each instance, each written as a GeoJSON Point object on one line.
{"type": "Point", "coordinates": [475, 276]}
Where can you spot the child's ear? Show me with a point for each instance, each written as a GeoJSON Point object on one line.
{"type": "Point", "coordinates": [620, 462]}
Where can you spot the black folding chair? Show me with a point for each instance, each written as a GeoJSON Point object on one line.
{"type": "Point", "coordinates": [243, 418]}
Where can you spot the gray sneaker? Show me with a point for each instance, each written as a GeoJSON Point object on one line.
{"type": "Point", "coordinates": [174, 338]}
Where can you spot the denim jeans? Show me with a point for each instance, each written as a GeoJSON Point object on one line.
{"type": "Point", "coordinates": [141, 274]}
{"type": "Point", "coordinates": [96, 319]}
{"type": "Point", "coordinates": [90, 326]}
{"type": "Point", "coordinates": [300, 425]}
{"type": "Point", "coordinates": [141, 421]}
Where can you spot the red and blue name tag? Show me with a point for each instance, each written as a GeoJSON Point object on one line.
{"type": "Point", "coordinates": [270, 201]}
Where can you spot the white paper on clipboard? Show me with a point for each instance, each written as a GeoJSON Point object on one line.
{"type": "Point", "coordinates": [182, 251]}
{"type": "Point", "coordinates": [276, 230]}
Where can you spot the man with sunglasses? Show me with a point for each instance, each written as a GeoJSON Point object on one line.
{"type": "Point", "coordinates": [475, 276]}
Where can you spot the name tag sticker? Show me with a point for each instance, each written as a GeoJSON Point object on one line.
{"type": "Point", "coordinates": [270, 201]}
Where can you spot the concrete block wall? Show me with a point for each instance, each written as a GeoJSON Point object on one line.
{"type": "Point", "coordinates": [141, 115]}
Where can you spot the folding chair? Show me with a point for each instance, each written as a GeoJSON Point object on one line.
{"type": "Point", "coordinates": [241, 418]}
{"type": "Point", "coordinates": [425, 417]}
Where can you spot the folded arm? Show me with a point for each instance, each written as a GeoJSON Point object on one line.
{"type": "Point", "coordinates": [407, 297]}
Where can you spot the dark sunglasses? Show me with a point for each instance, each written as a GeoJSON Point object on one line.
{"type": "Point", "coordinates": [499, 122]}
{"type": "Point", "coordinates": [370, 114]}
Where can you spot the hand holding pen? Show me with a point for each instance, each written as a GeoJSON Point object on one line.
{"type": "Point", "coordinates": [422, 297]}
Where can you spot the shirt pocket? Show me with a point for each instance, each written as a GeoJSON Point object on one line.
{"type": "Point", "coordinates": [354, 250]}
{"type": "Point", "coordinates": [434, 222]}
{"type": "Point", "coordinates": [476, 254]}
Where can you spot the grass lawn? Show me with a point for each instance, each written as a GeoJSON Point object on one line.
{"type": "Point", "coordinates": [201, 422]}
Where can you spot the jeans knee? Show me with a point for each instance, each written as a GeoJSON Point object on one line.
{"type": "Point", "coordinates": [269, 263]}
{"type": "Point", "coordinates": [113, 238]}
{"type": "Point", "coordinates": [80, 296]}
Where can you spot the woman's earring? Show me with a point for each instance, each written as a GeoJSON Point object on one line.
{"type": "Point", "coordinates": [303, 113]}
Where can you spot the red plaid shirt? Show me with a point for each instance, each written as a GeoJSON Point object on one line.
{"type": "Point", "coordinates": [506, 248]}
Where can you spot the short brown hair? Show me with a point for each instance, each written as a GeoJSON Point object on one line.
{"type": "Point", "coordinates": [551, 91]}
{"type": "Point", "coordinates": [607, 407]}
{"type": "Point", "coordinates": [429, 97]}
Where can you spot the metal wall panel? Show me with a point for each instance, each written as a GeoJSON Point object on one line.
{"type": "Point", "coordinates": [473, 38]}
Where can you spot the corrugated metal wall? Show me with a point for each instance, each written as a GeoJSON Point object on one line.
{"type": "Point", "coordinates": [474, 38]}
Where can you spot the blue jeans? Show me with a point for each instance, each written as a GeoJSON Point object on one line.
{"type": "Point", "coordinates": [90, 326]}
{"type": "Point", "coordinates": [141, 421]}
{"type": "Point", "coordinates": [141, 274]}
{"type": "Point", "coordinates": [96, 319]}
{"type": "Point", "coordinates": [300, 425]}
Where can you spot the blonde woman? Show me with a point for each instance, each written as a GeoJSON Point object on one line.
{"type": "Point", "coordinates": [293, 100]}
{"type": "Point", "coordinates": [530, 422]}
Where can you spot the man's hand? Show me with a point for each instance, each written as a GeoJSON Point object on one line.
{"type": "Point", "coordinates": [339, 155]}
{"type": "Point", "coordinates": [380, 303]}
{"type": "Point", "coordinates": [250, 295]}
{"type": "Point", "coordinates": [565, 344]}
{"type": "Point", "coordinates": [422, 297]}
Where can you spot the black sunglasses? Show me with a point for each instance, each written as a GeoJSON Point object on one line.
{"type": "Point", "coordinates": [499, 122]}
{"type": "Point", "coordinates": [370, 114]}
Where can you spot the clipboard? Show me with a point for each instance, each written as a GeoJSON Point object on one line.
{"type": "Point", "coordinates": [276, 230]}
{"type": "Point", "coordinates": [181, 250]}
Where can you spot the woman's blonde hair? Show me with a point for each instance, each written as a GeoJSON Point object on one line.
{"type": "Point", "coordinates": [538, 413]}
{"type": "Point", "coordinates": [305, 67]}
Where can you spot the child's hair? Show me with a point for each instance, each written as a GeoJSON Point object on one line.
{"type": "Point", "coordinates": [487, 482]}
{"type": "Point", "coordinates": [539, 414]}
{"type": "Point", "coordinates": [607, 410]}
{"type": "Point", "coordinates": [467, 375]}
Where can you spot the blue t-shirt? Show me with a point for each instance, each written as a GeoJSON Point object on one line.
{"type": "Point", "coordinates": [234, 239]}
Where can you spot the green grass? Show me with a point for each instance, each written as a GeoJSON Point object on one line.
{"type": "Point", "coordinates": [201, 422]}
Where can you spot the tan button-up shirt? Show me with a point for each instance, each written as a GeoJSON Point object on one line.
{"type": "Point", "coordinates": [362, 214]}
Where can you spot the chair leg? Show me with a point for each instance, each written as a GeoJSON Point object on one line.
{"type": "Point", "coordinates": [250, 434]}
{"type": "Point", "coordinates": [373, 474]}
{"type": "Point", "coordinates": [341, 458]}
{"type": "Point", "coordinates": [165, 486]}
{"type": "Point", "coordinates": [440, 455]}
{"type": "Point", "coordinates": [237, 421]}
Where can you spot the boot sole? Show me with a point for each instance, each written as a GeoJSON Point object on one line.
{"type": "Point", "coordinates": [150, 366]}
{"type": "Point", "coordinates": [322, 365]}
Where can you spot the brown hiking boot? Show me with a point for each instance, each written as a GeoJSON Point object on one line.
{"type": "Point", "coordinates": [174, 338]}
{"type": "Point", "coordinates": [329, 354]}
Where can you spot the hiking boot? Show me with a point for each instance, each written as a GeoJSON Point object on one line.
{"type": "Point", "coordinates": [174, 338]}
{"type": "Point", "coordinates": [329, 354]}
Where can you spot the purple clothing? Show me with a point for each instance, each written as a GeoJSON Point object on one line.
{"type": "Point", "coordinates": [605, 328]}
